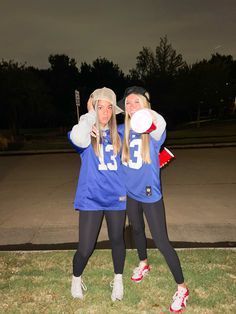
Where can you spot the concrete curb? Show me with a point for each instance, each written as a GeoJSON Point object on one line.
{"type": "Point", "coordinates": [104, 245]}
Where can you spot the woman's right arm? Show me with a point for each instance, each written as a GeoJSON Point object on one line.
{"type": "Point", "coordinates": [160, 124]}
{"type": "Point", "coordinates": [80, 133]}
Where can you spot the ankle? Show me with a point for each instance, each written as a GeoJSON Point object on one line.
{"type": "Point", "coordinates": [182, 286]}
{"type": "Point", "coordinates": [143, 263]}
{"type": "Point", "coordinates": [118, 276]}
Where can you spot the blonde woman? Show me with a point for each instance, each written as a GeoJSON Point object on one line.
{"type": "Point", "coordinates": [100, 191]}
{"type": "Point", "coordinates": [142, 178]}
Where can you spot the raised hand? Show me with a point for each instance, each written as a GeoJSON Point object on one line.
{"type": "Point", "coordinates": [94, 132]}
{"type": "Point", "coordinates": [90, 104]}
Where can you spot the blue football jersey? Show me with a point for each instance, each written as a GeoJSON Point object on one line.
{"type": "Point", "coordinates": [100, 185]}
{"type": "Point", "coordinates": [143, 180]}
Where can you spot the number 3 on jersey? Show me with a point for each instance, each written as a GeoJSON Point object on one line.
{"type": "Point", "coordinates": [135, 161]}
{"type": "Point", "coordinates": [112, 165]}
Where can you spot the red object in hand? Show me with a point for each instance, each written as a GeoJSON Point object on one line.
{"type": "Point", "coordinates": [165, 156]}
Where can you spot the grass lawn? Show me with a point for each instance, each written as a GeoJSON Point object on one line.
{"type": "Point", "coordinates": [39, 282]}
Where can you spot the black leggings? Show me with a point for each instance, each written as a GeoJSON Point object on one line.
{"type": "Point", "coordinates": [89, 227]}
{"type": "Point", "coordinates": [155, 215]}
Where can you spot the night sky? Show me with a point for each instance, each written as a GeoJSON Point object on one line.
{"type": "Point", "coordinates": [31, 30]}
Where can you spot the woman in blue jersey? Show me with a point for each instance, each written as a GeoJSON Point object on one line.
{"type": "Point", "coordinates": [142, 178]}
{"type": "Point", "coordinates": [100, 191]}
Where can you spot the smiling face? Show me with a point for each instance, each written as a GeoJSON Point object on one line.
{"type": "Point", "coordinates": [133, 104]}
{"type": "Point", "coordinates": [104, 109]}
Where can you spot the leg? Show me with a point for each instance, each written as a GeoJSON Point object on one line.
{"type": "Point", "coordinates": [155, 214]}
{"type": "Point", "coordinates": [135, 215]}
{"type": "Point", "coordinates": [89, 226]}
{"type": "Point", "coordinates": [115, 225]}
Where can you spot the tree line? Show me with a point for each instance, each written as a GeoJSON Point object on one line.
{"type": "Point", "coordinates": [40, 98]}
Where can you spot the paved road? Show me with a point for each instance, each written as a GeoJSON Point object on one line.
{"type": "Point", "coordinates": [37, 191]}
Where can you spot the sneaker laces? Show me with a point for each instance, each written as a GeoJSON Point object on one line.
{"type": "Point", "coordinates": [83, 285]}
{"type": "Point", "coordinates": [117, 287]}
{"type": "Point", "coordinates": [137, 270]}
{"type": "Point", "coordinates": [112, 283]}
{"type": "Point", "coordinates": [178, 297]}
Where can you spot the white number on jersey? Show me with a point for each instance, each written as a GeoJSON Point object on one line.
{"type": "Point", "coordinates": [135, 161]}
{"type": "Point", "coordinates": [110, 165]}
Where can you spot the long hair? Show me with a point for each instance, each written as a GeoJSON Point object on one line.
{"type": "Point", "coordinates": [115, 138]}
{"type": "Point", "coordinates": [145, 147]}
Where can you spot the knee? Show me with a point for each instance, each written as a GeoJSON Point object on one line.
{"type": "Point", "coordinates": [163, 245]}
{"type": "Point", "coordinates": [84, 253]}
{"type": "Point", "coordinates": [117, 239]}
{"type": "Point", "coordinates": [138, 230]}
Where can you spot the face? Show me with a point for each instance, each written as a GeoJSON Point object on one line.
{"type": "Point", "coordinates": [104, 109]}
{"type": "Point", "coordinates": [132, 104]}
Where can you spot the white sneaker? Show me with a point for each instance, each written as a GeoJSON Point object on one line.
{"type": "Point", "coordinates": [179, 300]}
{"type": "Point", "coordinates": [77, 287]}
{"type": "Point", "coordinates": [118, 288]}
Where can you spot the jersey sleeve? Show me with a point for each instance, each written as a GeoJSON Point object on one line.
{"type": "Point", "coordinates": [159, 143]}
{"type": "Point", "coordinates": [163, 138]}
{"type": "Point", "coordinates": [80, 133]}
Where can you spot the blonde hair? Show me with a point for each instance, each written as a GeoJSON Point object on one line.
{"type": "Point", "coordinates": [145, 147]}
{"type": "Point", "coordinates": [115, 138]}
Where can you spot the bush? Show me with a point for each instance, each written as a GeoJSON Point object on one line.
{"type": "Point", "coordinates": [4, 142]}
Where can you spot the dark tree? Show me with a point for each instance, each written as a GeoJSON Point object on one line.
{"type": "Point", "coordinates": [24, 100]}
{"type": "Point", "coordinates": [210, 87]}
{"type": "Point", "coordinates": [63, 79]}
{"type": "Point", "coordinates": [101, 73]}
{"type": "Point", "coordinates": [158, 72]}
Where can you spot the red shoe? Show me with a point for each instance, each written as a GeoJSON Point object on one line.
{"type": "Point", "coordinates": [165, 156]}
{"type": "Point", "coordinates": [139, 272]}
{"type": "Point", "coordinates": [179, 300]}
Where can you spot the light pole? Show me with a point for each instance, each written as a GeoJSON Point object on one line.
{"type": "Point", "coordinates": [77, 103]}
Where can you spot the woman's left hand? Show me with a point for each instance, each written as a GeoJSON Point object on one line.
{"type": "Point", "coordinates": [90, 104]}
{"type": "Point", "coordinates": [94, 132]}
